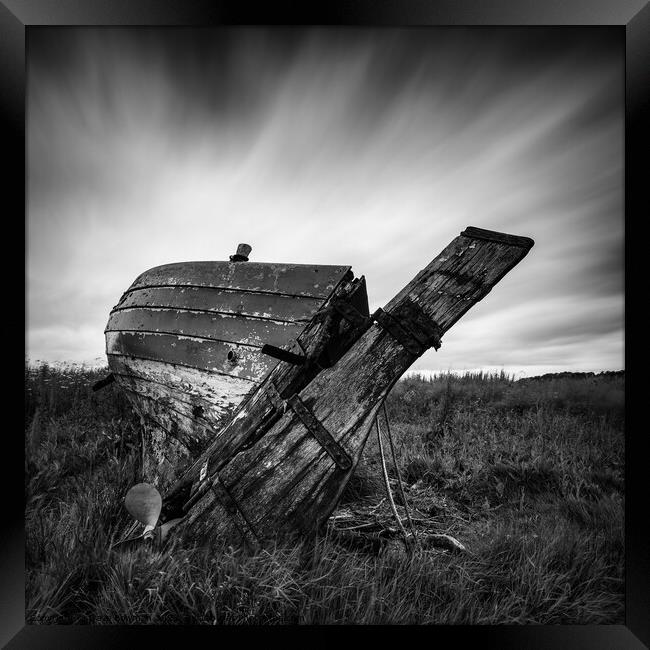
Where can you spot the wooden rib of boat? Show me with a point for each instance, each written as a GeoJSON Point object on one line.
{"type": "Point", "coordinates": [273, 456]}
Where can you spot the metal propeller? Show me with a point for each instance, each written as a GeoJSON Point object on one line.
{"type": "Point", "coordinates": [144, 503]}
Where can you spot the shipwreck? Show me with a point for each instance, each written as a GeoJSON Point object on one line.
{"type": "Point", "coordinates": [257, 384]}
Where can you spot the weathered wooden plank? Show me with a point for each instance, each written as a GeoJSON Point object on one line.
{"type": "Point", "coordinates": [168, 398]}
{"type": "Point", "coordinates": [490, 235]}
{"type": "Point", "coordinates": [285, 483]}
{"type": "Point", "coordinates": [162, 453]}
{"type": "Point", "coordinates": [317, 281]}
{"type": "Point", "coordinates": [215, 356]}
{"type": "Point", "coordinates": [217, 327]}
{"type": "Point", "coordinates": [187, 431]}
{"type": "Point", "coordinates": [259, 305]}
{"type": "Point", "coordinates": [222, 392]}
{"type": "Point", "coordinates": [173, 438]}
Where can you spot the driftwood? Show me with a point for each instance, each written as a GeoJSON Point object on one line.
{"type": "Point", "coordinates": [267, 473]}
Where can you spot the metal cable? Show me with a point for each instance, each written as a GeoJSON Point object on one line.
{"type": "Point", "coordinates": [387, 484]}
{"type": "Point", "coordinates": [400, 484]}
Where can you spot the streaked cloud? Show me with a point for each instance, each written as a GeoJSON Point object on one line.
{"type": "Point", "coordinates": [365, 147]}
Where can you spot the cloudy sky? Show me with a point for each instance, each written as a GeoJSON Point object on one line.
{"type": "Point", "coordinates": [368, 147]}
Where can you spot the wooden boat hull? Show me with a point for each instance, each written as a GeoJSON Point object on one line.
{"type": "Point", "coordinates": [185, 343]}
{"type": "Point", "coordinates": [274, 459]}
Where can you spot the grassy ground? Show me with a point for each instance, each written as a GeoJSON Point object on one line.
{"type": "Point", "coordinates": [527, 475]}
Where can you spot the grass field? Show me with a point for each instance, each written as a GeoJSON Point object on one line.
{"type": "Point", "coordinates": [527, 475]}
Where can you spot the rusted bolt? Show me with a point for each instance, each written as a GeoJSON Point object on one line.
{"type": "Point", "coordinates": [232, 357]}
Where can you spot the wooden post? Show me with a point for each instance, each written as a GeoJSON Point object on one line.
{"type": "Point", "coordinates": [285, 482]}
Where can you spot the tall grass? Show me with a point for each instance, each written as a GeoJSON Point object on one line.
{"type": "Point", "coordinates": [528, 475]}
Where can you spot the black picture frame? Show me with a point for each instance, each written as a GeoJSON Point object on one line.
{"type": "Point", "coordinates": [632, 16]}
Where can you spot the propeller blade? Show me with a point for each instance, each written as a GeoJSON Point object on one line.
{"type": "Point", "coordinates": [144, 503]}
